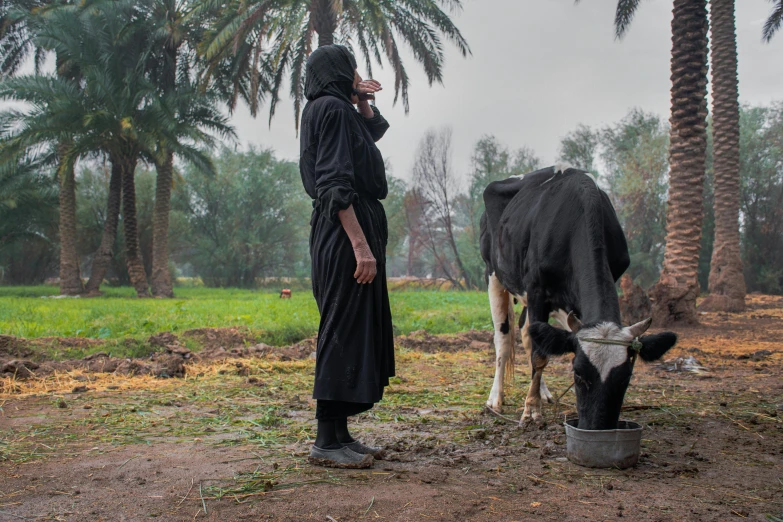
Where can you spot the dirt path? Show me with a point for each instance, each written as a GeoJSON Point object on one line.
{"type": "Point", "coordinates": [232, 438]}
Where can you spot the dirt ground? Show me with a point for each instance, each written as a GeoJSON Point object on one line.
{"type": "Point", "coordinates": [228, 441]}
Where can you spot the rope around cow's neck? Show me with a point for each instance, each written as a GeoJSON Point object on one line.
{"type": "Point", "coordinates": [635, 344]}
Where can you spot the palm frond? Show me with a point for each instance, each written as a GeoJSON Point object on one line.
{"type": "Point", "coordinates": [626, 9]}
{"type": "Point", "coordinates": [300, 53]}
{"type": "Point", "coordinates": [774, 21]}
{"type": "Point", "coordinates": [279, 32]}
{"type": "Point", "coordinates": [401, 80]}
{"type": "Point", "coordinates": [430, 13]}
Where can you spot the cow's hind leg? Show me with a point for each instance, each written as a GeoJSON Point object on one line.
{"type": "Point", "coordinates": [502, 306]}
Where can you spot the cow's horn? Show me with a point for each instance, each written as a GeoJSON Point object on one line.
{"type": "Point", "coordinates": [574, 324]}
{"type": "Point", "coordinates": [640, 327]}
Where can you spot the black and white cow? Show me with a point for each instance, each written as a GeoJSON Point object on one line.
{"type": "Point", "coordinates": [551, 238]}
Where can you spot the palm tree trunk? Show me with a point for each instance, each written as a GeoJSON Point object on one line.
{"type": "Point", "coordinates": [161, 279]}
{"type": "Point", "coordinates": [727, 282]}
{"type": "Point", "coordinates": [138, 275]}
{"type": "Point", "coordinates": [103, 257]}
{"type": "Point", "coordinates": [674, 296]}
{"type": "Point", "coordinates": [70, 273]}
{"type": "Point", "coordinates": [324, 21]}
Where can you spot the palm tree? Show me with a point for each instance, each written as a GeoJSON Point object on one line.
{"type": "Point", "coordinates": [178, 35]}
{"type": "Point", "coordinates": [726, 281]}
{"type": "Point", "coordinates": [273, 37]}
{"type": "Point", "coordinates": [118, 111]}
{"type": "Point", "coordinates": [774, 21]}
{"type": "Point", "coordinates": [675, 293]}
{"type": "Point", "coordinates": [18, 20]}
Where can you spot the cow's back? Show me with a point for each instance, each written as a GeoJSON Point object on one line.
{"type": "Point", "coordinates": [546, 225]}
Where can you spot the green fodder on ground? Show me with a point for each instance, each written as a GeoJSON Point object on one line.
{"type": "Point", "coordinates": [123, 323]}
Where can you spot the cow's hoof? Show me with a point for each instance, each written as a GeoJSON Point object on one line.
{"type": "Point", "coordinates": [495, 402]}
{"type": "Point", "coordinates": [496, 405]}
{"type": "Point", "coordinates": [530, 417]}
{"type": "Point", "coordinates": [530, 421]}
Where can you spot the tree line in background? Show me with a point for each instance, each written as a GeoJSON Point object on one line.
{"type": "Point", "coordinates": [143, 82]}
{"type": "Point", "coordinates": [249, 219]}
{"type": "Point", "coordinates": [630, 160]}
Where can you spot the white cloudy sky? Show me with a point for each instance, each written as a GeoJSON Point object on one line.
{"type": "Point", "coordinates": [538, 68]}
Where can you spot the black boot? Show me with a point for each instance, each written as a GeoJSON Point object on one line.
{"type": "Point", "coordinates": [327, 435]}
{"type": "Point", "coordinates": [327, 450]}
{"type": "Point", "coordinates": [341, 427]}
{"type": "Point", "coordinates": [341, 430]}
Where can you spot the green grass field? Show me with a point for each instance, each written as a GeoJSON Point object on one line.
{"type": "Point", "coordinates": [28, 312]}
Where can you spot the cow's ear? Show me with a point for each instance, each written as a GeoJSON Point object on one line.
{"type": "Point", "coordinates": [552, 341]}
{"type": "Point", "coordinates": [654, 346]}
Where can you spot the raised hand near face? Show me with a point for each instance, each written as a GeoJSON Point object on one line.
{"type": "Point", "coordinates": [367, 89]}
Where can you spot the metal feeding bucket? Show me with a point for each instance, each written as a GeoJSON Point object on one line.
{"type": "Point", "coordinates": [604, 448]}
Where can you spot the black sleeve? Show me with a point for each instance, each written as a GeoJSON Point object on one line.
{"type": "Point", "coordinates": [334, 178]}
{"type": "Point", "coordinates": [377, 125]}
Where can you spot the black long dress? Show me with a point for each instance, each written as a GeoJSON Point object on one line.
{"type": "Point", "coordinates": [341, 166]}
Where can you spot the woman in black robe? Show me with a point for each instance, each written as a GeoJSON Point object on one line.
{"type": "Point", "coordinates": [343, 171]}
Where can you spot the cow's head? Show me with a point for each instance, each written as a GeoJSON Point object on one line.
{"type": "Point", "coordinates": [602, 371]}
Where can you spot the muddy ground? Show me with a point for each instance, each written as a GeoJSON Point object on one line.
{"type": "Point", "coordinates": [228, 440]}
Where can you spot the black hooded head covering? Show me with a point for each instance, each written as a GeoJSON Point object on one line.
{"type": "Point", "coordinates": [330, 72]}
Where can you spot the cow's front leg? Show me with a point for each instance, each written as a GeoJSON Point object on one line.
{"type": "Point", "coordinates": [502, 307]}
{"type": "Point", "coordinates": [533, 401]}
{"type": "Point", "coordinates": [527, 343]}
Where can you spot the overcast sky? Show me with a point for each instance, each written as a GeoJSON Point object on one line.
{"type": "Point", "coordinates": [538, 69]}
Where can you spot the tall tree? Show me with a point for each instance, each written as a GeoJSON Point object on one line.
{"type": "Point", "coordinates": [115, 109]}
{"type": "Point", "coordinates": [277, 36]}
{"type": "Point", "coordinates": [394, 205]}
{"type": "Point", "coordinates": [437, 189]}
{"type": "Point", "coordinates": [245, 221]}
{"type": "Point", "coordinates": [174, 68]}
{"type": "Point", "coordinates": [761, 142]}
{"type": "Point", "coordinates": [674, 296]}
{"type": "Point", "coordinates": [413, 204]}
{"type": "Point", "coordinates": [168, 18]}
{"type": "Point", "coordinates": [491, 161]}
{"type": "Point", "coordinates": [726, 282]}
{"type": "Point", "coordinates": [19, 21]}
{"type": "Point", "coordinates": [578, 148]}
{"type": "Point", "coordinates": [634, 153]}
